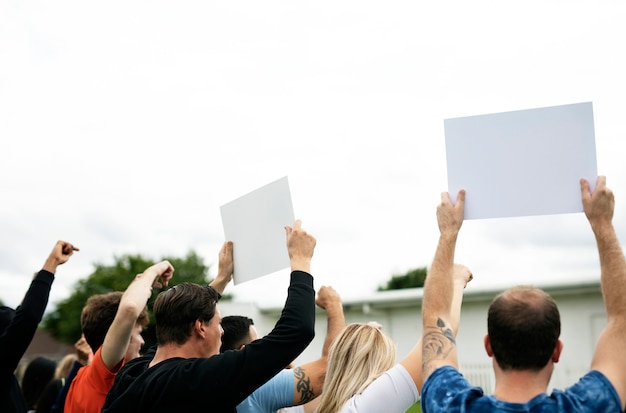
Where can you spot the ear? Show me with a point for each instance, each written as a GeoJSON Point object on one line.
{"type": "Point", "coordinates": [487, 344]}
{"type": "Point", "coordinates": [556, 354]}
{"type": "Point", "coordinates": [198, 328]}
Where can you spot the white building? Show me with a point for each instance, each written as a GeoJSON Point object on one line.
{"type": "Point", "coordinates": [582, 317]}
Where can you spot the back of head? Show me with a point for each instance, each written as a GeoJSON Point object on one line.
{"type": "Point", "coordinates": [524, 326]}
{"type": "Point", "coordinates": [359, 355]}
{"type": "Point", "coordinates": [98, 315]}
{"type": "Point", "coordinates": [178, 308]}
{"type": "Point", "coordinates": [39, 372]}
{"type": "Point", "coordinates": [236, 332]}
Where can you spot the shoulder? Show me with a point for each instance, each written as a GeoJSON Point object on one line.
{"type": "Point", "coordinates": [446, 387]}
{"type": "Point", "coordinates": [593, 391]}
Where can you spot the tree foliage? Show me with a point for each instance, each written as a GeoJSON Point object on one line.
{"type": "Point", "coordinates": [413, 279]}
{"type": "Point", "coordinates": [64, 322]}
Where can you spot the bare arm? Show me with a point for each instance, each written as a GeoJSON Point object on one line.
{"type": "Point", "coordinates": [309, 377]}
{"type": "Point", "coordinates": [413, 361]}
{"type": "Point", "coordinates": [131, 305]}
{"type": "Point", "coordinates": [225, 268]}
{"type": "Point", "coordinates": [439, 331]}
{"type": "Point", "coordinates": [610, 353]}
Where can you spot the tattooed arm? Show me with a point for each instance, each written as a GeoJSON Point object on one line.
{"type": "Point", "coordinates": [309, 377]}
{"type": "Point", "coordinates": [443, 291]}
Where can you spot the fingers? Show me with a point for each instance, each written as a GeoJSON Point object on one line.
{"type": "Point", "coordinates": [68, 248]}
{"type": "Point", "coordinates": [460, 199]}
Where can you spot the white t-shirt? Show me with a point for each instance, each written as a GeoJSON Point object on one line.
{"type": "Point", "coordinates": [393, 392]}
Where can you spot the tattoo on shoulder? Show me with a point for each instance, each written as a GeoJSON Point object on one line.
{"type": "Point", "coordinates": [303, 385]}
{"type": "Point", "coordinates": [438, 342]}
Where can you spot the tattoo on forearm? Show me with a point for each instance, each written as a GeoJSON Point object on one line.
{"type": "Point", "coordinates": [303, 385]}
{"type": "Point", "coordinates": [438, 342]}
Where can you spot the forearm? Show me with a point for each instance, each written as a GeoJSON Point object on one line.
{"type": "Point", "coordinates": [613, 270]}
{"type": "Point", "coordinates": [438, 287]}
{"type": "Point", "coordinates": [219, 283]}
{"type": "Point", "coordinates": [335, 324]}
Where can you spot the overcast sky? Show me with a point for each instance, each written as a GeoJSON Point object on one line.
{"type": "Point", "coordinates": [126, 125]}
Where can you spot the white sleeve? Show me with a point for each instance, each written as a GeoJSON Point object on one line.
{"type": "Point", "coordinates": [393, 392]}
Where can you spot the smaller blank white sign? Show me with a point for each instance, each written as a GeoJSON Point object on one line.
{"type": "Point", "coordinates": [255, 223]}
{"type": "Point", "coordinates": [521, 163]}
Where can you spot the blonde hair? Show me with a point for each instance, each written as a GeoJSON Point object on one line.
{"type": "Point", "coordinates": [64, 366]}
{"type": "Point", "coordinates": [359, 355]}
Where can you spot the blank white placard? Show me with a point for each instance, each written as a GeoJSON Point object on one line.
{"type": "Point", "coordinates": [256, 224]}
{"type": "Point", "coordinates": [521, 163]}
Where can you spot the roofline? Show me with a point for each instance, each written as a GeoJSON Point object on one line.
{"type": "Point", "coordinates": [414, 296]}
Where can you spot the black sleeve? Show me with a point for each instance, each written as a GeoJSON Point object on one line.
{"type": "Point", "coordinates": [263, 359]}
{"type": "Point", "coordinates": [19, 334]}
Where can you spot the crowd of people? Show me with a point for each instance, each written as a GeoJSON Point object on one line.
{"type": "Point", "coordinates": [203, 362]}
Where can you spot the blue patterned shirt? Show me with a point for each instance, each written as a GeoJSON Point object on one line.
{"type": "Point", "coordinates": [446, 390]}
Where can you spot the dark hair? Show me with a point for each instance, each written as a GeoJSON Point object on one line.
{"type": "Point", "coordinates": [38, 373]}
{"type": "Point", "coordinates": [98, 315]}
{"type": "Point", "coordinates": [524, 326]}
{"type": "Point", "coordinates": [178, 308]}
{"type": "Point", "coordinates": [49, 395]}
{"type": "Point", "coordinates": [236, 332]}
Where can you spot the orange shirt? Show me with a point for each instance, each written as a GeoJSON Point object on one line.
{"type": "Point", "coordinates": [90, 386]}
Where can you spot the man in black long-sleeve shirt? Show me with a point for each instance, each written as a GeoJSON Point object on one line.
{"type": "Point", "coordinates": [17, 327]}
{"type": "Point", "coordinates": [187, 370]}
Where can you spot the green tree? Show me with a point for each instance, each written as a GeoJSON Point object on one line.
{"type": "Point", "coordinates": [412, 279]}
{"type": "Point", "coordinates": [64, 322]}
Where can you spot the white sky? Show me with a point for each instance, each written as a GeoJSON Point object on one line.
{"type": "Point", "coordinates": [125, 126]}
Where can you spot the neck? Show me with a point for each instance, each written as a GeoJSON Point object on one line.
{"type": "Point", "coordinates": [173, 350]}
{"type": "Point", "coordinates": [519, 386]}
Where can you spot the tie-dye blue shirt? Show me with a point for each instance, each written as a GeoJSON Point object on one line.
{"type": "Point", "coordinates": [446, 390]}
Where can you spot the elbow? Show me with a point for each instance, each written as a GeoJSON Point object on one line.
{"type": "Point", "coordinates": [129, 309]}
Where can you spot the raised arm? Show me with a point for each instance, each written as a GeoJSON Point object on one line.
{"type": "Point", "coordinates": [413, 361]}
{"type": "Point", "coordinates": [309, 377]}
{"type": "Point", "coordinates": [438, 330]}
{"type": "Point", "coordinates": [16, 335]}
{"type": "Point", "coordinates": [225, 268]}
{"type": "Point", "coordinates": [610, 353]}
{"type": "Point", "coordinates": [131, 305]}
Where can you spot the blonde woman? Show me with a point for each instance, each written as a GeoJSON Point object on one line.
{"type": "Point", "coordinates": [362, 375]}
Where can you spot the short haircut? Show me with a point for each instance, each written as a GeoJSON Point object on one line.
{"type": "Point", "coordinates": [524, 326]}
{"type": "Point", "coordinates": [236, 332]}
{"type": "Point", "coordinates": [98, 315]}
{"type": "Point", "coordinates": [178, 308]}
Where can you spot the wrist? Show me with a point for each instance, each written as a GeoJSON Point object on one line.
{"type": "Point", "coordinates": [51, 265]}
{"type": "Point", "coordinates": [301, 264]}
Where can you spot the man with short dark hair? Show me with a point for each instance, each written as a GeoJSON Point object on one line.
{"type": "Point", "coordinates": [239, 330]}
{"type": "Point", "coordinates": [188, 372]}
{"type": "Point", "coordinates": [523, 331]}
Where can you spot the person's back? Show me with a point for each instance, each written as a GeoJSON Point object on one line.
{"type": "Point", "coordinates": [187, 370]}
{"type": "Point", "coordinates": [523, 332]}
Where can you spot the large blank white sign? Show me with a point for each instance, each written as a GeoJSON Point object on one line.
{"type": "Point", "coordinates": [521, 163]}
{"type": "Point", "coordinates": [255, 223]}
